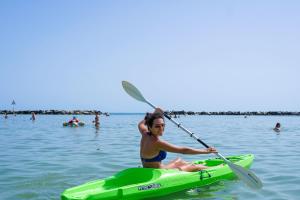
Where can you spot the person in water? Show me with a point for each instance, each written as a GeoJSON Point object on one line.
{"type": "Point", "coordinates": [277, 127]}
{"type": "Point", "coordinates": [32, 116]}
{"type": "Point", "coordinates": [5, 116]}
{"type": "Point", "coordinates": [97, 120]}
{"type": "Point", "coordinates": [153, 150]}
{"type": "Point", "coordinates": [74, 121]}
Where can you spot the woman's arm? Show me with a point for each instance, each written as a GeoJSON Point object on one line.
{"type": "Point", "coordinates": [142, 127]}
{"type": "Point", "coordinates": [183, 150]}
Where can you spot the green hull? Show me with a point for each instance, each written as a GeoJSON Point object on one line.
{"type": "Point", "coordinates": [137, 183]}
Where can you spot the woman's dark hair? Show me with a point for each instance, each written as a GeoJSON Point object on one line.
{"type": "Point", "coordinates": [150, 117]}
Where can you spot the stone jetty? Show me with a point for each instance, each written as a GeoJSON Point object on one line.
{"type": "Point", "coordinates": [172, 113]}
{"type": "Point", "coordinates": [55, 112]}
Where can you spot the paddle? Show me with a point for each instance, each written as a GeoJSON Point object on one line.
{"type": "Point", "coordinates": [244, 174]}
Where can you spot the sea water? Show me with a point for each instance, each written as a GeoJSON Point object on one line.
{"type": "Point", "coordinates": [40, 159]}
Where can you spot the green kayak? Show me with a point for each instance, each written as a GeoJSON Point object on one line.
{"type": "Point", "coordinates": [138, 183]}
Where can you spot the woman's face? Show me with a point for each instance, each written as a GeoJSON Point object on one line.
{"type": "Point", "coordinates": [158, 127]}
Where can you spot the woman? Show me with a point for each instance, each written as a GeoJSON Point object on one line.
{"type": "Point", "coordinates": [153, 150]}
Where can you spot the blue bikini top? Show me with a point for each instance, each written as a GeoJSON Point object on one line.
{"type": "Point", "coordinates": [161, 156]}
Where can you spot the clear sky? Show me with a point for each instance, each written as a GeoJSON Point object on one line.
{"type": "Point", "coordinates": [191, 55]}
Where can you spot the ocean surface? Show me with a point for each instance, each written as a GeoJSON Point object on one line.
{"type": "Point", "coordinates": [40, 159]}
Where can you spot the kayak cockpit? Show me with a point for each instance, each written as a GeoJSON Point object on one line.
{"type": "Point", "coordinates": [132, 176]}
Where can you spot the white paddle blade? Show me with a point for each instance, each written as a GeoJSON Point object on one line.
{"type": "Point", "coordinates": [133, 91]}
{"type": "Point", "coordinates": [247, 176]}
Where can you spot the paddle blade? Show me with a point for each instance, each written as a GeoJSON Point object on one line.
{"type": "Point", "coordinates": [133, 91]}
{"type": "Point", "coordinates": [246, 175]}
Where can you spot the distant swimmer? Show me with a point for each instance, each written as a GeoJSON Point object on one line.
{"type": "Point", "coordinates": [32, 116]}
{"type": "Point", "coordinates": [277, 127]}
{"type": "Point", "coordinates": [97, 120]}
{"type": "Point", "coordinates": [74, 122]}
{"type": "Point", "coordinates": [5, 116]}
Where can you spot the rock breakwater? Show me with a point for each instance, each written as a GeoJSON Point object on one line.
{"type": "Point", "coordinates": [54, 112]}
